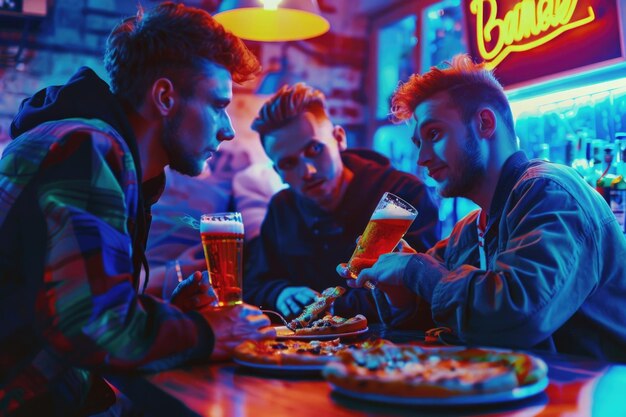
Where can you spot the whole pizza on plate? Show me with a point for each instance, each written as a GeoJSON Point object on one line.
{"type": "Point", "coordinates": [410, 371]}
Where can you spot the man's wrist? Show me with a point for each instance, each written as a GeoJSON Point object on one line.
{"type": "Point", "coordinates": [422, 274]}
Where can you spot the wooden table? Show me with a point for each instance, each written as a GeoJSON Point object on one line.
{"type": "Point", "coordinates": [578, 387]}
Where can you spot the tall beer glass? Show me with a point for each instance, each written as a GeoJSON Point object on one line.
{"type": "Point", "coordinates": [222, 240]}
{"type": "Point", "coordinates": [389, 222]}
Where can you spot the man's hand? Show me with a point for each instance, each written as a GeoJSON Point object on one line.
{"type": "Point", "coordinates": [386, 274]}
{"type": "Point", "coordinates": [391, 278]}
{"type": "Point", "coordinates": [194, 293]}
{"type": "Point", "coordinates": [404, 247]}
{"type": "Point", "coordinates": [233, 325]}
{"type": "Point", "coordinates": [292, 300]}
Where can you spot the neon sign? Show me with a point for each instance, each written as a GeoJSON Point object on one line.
{"type": "Point", "coordinates": [527, 40]}
{"type": "Point", "coordinates": [524, 27]}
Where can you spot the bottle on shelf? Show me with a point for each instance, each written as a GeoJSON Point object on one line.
{"type": "Point", "coordinates": [570, 149]}
{"type": "Point", "coordinates": [609, 173]}
{"type": "Point", "coordinates": [582, 152]}
{"type": "Point", "coordinates": [618, 185]}
{"type": "Point", "coordinates": [596, 147]}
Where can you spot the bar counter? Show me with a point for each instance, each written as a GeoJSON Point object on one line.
{"type": "Point", "coordinates": [577, 387]}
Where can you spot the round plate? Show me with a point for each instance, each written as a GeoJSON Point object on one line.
{"type": "Point", "coordinates": [280, 369]}
{"type": "Point", "coordinates": [486, 398]}
{"type": "Point", "coordinates": [282, 332]}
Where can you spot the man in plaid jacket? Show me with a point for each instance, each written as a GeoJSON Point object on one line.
{"type": "Point", "coordinates": [77, 184]}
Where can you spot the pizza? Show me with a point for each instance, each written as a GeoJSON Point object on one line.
{"type": "Point", "coordinates": [410, 371]}
{"type": "Point", "coordinates": [296, 352]}
{"type": "Point", "coordinates": [330, 324]}
{"type": "Point", "coordinates": [321, 304]}
{"type": "Point", "coordinates": [308, 323]}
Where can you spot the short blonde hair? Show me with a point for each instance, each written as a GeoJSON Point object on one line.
{"type": "Point", "coordinates": [286, 105]}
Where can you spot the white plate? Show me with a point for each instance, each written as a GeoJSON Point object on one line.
{"type": "Point", "coordinates": [281, 369]}
{"type": "Point", "coordinates": [282, 332]}
{"type": "Point", "coordinates": [487, 398]}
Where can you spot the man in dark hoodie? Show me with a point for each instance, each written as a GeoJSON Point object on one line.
{"type": "Point", "coordinates": [77, 184]}
{"type": "Point", "coordinates": [316, 221]}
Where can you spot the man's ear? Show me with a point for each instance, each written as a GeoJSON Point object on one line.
{"type": "Point", "coordinates": [340, 136]}
{"type": "Point", "coordinates": [163, 96]}
{"type": "Point", "coordinates": [486, 122]}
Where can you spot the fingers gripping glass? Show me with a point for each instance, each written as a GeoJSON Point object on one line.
{"type": "Point", "coordinates": [390, 220]}
{"type": "Point", "coordinates": [173, 276]}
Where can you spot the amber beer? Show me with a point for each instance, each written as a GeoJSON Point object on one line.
{"type": "Point", "coordinates": [222, 240]}
{"type": "Point", "coordinates": [389, 222]}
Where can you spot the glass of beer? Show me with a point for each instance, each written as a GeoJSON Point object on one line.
{"type": "Point", "coordinates": [222, 240]}
{"type": "Point", "coordinates": [389, 222]}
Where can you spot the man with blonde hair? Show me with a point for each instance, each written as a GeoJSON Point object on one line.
{"type": "Point", "coordinates": [540, 264]}
{"type": "Point", "coordinates": [314, 224]}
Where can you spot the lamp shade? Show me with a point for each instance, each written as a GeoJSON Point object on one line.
{"type": "Point", "coordinates": [272, 20]}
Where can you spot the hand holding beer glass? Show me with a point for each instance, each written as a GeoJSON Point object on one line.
{"type": "Point", "coordinates": [389, 222]}
{"type": "Point", "coordinates": [222, 240]}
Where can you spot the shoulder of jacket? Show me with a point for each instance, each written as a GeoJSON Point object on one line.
{"type": "Point", "coordinates": [61, 128]}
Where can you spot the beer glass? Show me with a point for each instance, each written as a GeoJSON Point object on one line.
{"type": "Point", "coordinates": [389, 222]}
{"type": "Point", "coordinates": [222, 240]}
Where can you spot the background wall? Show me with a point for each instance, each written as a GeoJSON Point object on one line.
{"type": "Point", "coordinates": [41, 51]}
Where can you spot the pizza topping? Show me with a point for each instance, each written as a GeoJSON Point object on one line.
{"type": "Point", "coordinates": [280, 346]}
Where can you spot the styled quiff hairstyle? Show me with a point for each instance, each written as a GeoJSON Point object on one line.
{"type": "Point", "coordinates": [468, 84]}
{"type": "Point", "coordinates": [174, 41]}
{"type": "Point", "coordinates": [286, 105]}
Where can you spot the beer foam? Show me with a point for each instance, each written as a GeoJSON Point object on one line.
{"type": "Point", "coordinates": [392, 212]}
{"type": "Point", "coordinates": [222, 226]}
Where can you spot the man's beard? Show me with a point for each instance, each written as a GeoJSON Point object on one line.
{"type": "Point", "coordinates": [469, 171]}
{"type": "Point", "coordinates": [180, 161]}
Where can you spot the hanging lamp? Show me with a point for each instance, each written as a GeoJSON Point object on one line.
{"type": "Point", "coordinates": [272, 20]}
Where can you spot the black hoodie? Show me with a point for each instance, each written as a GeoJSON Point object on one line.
{"type": "Point", "coordinates": [87, 96]}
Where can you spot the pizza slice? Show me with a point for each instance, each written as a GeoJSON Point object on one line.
{"type": "Point", "coordinates": [321, 304]}
{"type": "Point", "coordinates": [330, 324]}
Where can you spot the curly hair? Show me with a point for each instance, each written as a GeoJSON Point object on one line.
{"type": "Point", "coordinates": [468, 84]}
{"type": "Point", "coordinates": [286, 105]}
{"type": "Point", "coordinates": [171, 40]}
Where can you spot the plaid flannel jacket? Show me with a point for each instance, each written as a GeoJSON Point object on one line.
{"type": "Point", "coordinates": [68, 304]}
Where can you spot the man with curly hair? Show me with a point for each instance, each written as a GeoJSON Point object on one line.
{"type": "Point", "coordinates": [78, 180]}
{"type": "Point", "coordinates": [540, 264]}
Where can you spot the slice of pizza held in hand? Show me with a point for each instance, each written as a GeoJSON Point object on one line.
{"type": "Point", "coordinates": [308, 323]}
